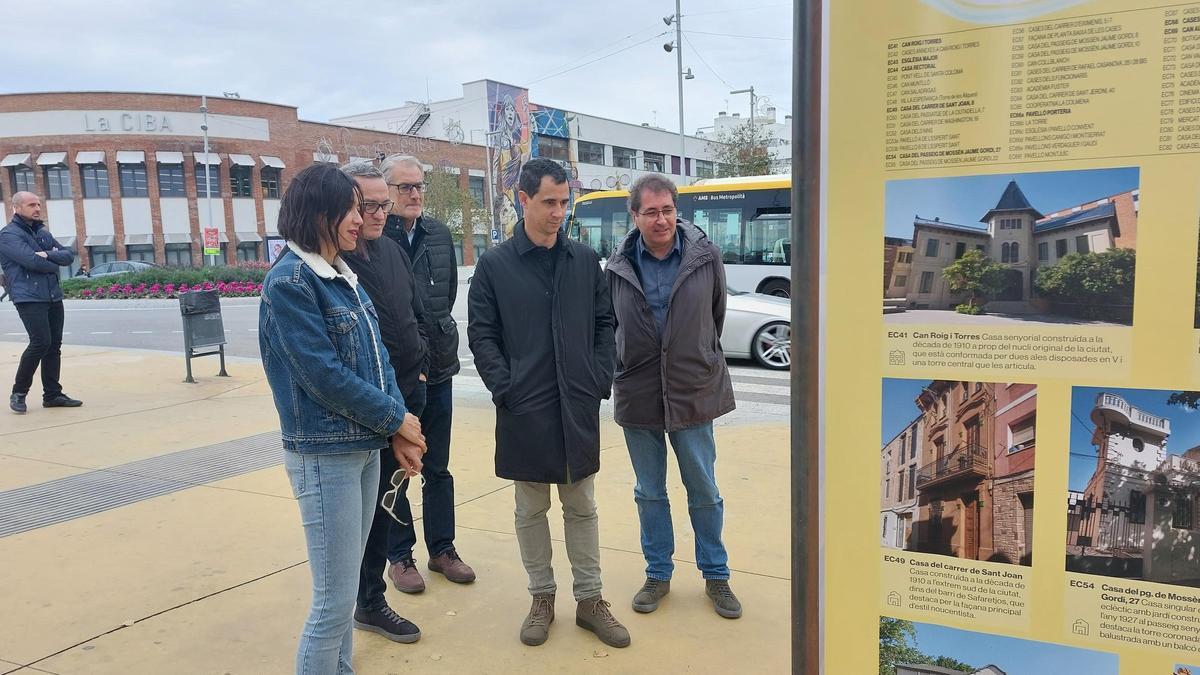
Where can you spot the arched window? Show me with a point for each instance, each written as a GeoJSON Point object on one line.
{"type": "Point", "coordinates": [1014, 252]}
{"type": "Point", "coordinates": [1004, 252]}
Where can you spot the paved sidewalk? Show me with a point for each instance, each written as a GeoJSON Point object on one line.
{"type": "Point", "coordinates": [153, 531]}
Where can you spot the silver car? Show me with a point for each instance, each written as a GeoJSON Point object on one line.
{"type": "Point", "coordinates": [759, 327]}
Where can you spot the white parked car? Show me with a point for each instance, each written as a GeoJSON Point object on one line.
{"type": "Point", "coordinates": [758, 326]}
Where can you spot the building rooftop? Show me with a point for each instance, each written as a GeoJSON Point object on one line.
{"type": "Point", "coordinates": [1098, 213]}
{"type": "Point", "coordinates": [1012, 200]}
{"type": "Point", "coordinates": [969, 229]}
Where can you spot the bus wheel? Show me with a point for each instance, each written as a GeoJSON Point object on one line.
{"type": "Point", "coordinates": [777, 287]}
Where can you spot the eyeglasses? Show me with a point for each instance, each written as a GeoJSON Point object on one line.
{"type": "Point", "coordinates": [405, 188]}
{"type": "Point", "coordinates": [388, 502]}
{"type": "Point", "coordinates": [668, 213]}
{"type": "Point", "coordinates": [374, 207]}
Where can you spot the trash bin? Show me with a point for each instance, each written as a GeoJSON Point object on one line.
{"type": "Point", "coordinates": [202, 328]}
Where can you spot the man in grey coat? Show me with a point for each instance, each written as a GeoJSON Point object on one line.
{"type": "Point", "coordinates": [667, 284]}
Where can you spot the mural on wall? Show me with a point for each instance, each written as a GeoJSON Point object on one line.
{"type": "Point", "coordinates": [556, 123]}
{"type": "Point", "coordinates": [508, 124]}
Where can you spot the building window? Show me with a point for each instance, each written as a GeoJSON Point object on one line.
{"type": "Point", "coordinates": [901, 280]}
{"type": "Point", "coordinates": [58, 182]}
{"type": "Point", "coordinates": [960, 249]}
{"type": "Point", "coordinates": [1137, 508]}
{"type": "Point", "coordinates": [95, 181]}
{"type": "Point", "coordinates": [475, 185]}
{"type": "Point", "coordinates": [926, 282]}
{"type": "Point", "coordinates": [900, 486]}
{"type": "Point", "coordinates": [1139, 445]}
{"type": "Point", "coordinates": [1004, 252]}
{"type": "Point", "coordinates": [887, 488]}
{"type": "Point", "coordinates": [240, 178]}
{"type": "Point", "coordinates": [624, 158]}
{"type": "Point", "coordinates": [1044, 251]}
{"type": "Point", "coordinates": [269, 176]}
{"type": "Point", "coordinates": [1011, 223]}
{"type": "Point", "coordinates": [652, 161]}
{"type": "Point", "coordinates": [931, 248]}
{"type": "Point", "coordinates": [1022, 435]}
{"type": "Point", "coordinates": [133, 180]}
{"type": "Point", "coordinates": [247, 251]}
{"type": "Point", "coordinates": [178, 255]}
{"type": "Point", "coordinates": [170, 180]}
{"type": "Point", "coordinates": [912, 447]}
{"type": "Point", "coordinates": [981, 248]}
{"type": "Point", "coordinates": [884, 523]}
{"type": "Point", "coordinates": [704, 168]}
{"type": "Point", "coordinates": [553, 147]}
{"type": "Point", "coordinates": [142, 252]}
{"type": "Point", "coordinates": [1081, 244]}
{"type": "Point", "coordinates": [912, 482]}
{"type": "Point", "coordinates": [1184, 511]}
{"type": "Point", "coordinates": [591, 153]}
{"type": "Point", "coordinates": [214, 181]}
{"type": "Point", "coordinates": [101, 254]}
{"type": "Point", "coordinates": [22, 179]}
{"type": "Point", "coordinates": [1060, 248]}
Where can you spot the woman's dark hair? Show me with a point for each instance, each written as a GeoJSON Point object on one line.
{"type": "Point", "coordinates": [318, 198]}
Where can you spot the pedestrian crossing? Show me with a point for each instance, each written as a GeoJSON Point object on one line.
{"type": "Point", "coordinates": [759, 393]}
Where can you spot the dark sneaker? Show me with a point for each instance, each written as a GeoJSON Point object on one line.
{"type": "Point", "coordinates": [594, 615]}
{"type": "Point", "coordinates": [387, 623]}
{"type": "Point", "coordinates": [536, 628]}
{"type": "Point", "coordinates": [653, 590]}
{"type": "Point", "coordinates": [405, 577]}
{"type": "Point", "coordinates": [724, 601]}
{"type": "Point", "coordinates": [17, 403]}
{"type": "Point", "coordinates": [61, 401]}
{"type": "Point", "coordinates": [453, 567]}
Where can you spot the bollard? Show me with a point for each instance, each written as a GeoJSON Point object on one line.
{"type": "Point", "coordinates": [202, 328]}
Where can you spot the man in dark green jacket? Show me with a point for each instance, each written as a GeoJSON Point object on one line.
{"type": "Point", "coordinates": [667, 283]}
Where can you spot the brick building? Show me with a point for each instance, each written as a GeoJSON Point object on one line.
{"type": "Point", "coordinates": [1012, 472]}
{"type": "Point", "coordinates": [123, 175]}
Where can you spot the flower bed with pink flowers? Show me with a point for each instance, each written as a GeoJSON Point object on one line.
{"type": "Point", "coordinates": [243, 280]}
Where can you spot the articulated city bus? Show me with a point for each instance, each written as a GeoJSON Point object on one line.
{"type": "Point", "coordinates": [749, 219]}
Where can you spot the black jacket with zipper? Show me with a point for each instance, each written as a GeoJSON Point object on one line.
{"type": "Point", "coordinates": [436, 270]}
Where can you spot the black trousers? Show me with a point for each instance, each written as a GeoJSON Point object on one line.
{"type": "Point", "coordinates": [44, 324]}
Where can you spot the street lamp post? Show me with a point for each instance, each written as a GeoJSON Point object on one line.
{"type": "Point", "coordinates": [753, 101]}
{"type": "Point", "coordinates": [207, 174]}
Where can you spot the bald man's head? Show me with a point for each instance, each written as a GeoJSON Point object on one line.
{"type": "Point", "coordinates": [27, 205]}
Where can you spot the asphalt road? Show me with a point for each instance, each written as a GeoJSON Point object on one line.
{"type": "Point", "coordinates": [762, 395]}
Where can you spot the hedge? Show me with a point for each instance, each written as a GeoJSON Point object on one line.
{"type": "Point", "coordinates": [242, 280]}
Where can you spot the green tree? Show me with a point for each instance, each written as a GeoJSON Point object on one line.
{"type": "Point", "coordinates": [951, 663]}
{"type": "Point", "coordinates": [895, 638]}
{"type": "Point", "coordinates": [742, 150]}
{"type": "Point", "coordinates": [449, 202]}
{"type": "Point", "coordinates": [1100, 284]}
{"type": "Point", "coordinates": [1186, 399]}
{"type": "Point", "coordinates": [978, 276]}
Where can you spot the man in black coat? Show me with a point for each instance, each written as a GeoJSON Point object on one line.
{"type": "Point", "coordinates": [387, 276]}
{"type": "Point", "coordinates": [435, 267]}
{"type": "Point", "coordinates": [30, 258]}
{"type": "Point", "coordinates": [541, 330]}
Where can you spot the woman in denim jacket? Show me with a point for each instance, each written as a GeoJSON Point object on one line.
{"type": "Point", "coordinates": [337, 400]}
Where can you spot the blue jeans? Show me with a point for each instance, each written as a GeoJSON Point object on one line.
{"type": "Point", "coordinates": [437, 504]}
{"type": "Point", "coordinates": [385, 539]}
{"type": "Point", "coordinates": [697, 454]}
{"type": "Point", "coordinates": [336, 493]}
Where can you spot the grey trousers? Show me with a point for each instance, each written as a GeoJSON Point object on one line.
{"type": "Point", "coordinates": [582, 530]}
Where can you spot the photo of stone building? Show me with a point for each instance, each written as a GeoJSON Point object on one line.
{"type": "Point", "coordinates": [957, 479]}
{"type": "Point", "coordinates": [1132, 501]}
{"type": "Point", "coordinates": [995, 223]}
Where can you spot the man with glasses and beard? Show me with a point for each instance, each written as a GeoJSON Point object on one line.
{"type": "Point", "coordinates": [387, 275]}
{"type": "Point", "coordinates": [431, 251]}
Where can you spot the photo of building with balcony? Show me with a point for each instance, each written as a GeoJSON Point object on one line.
{"type": "Point", "coordinates": [928, 228]}
{"type": "Point", "coordinates": [974, 445]}
{"type": "Point", "coordinates": [1132, 503]}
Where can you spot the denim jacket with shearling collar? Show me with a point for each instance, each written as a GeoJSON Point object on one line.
{"type": "Point", "coordinates": [318, 335]}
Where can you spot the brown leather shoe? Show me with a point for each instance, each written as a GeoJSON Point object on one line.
{"type": "Point", "coordinates": [536, 628]}
{"type": "Point", "coordinates": [449, 564]}
{"type": "Point", "coordinates": [405, 577]}
{"type": "Point", "coordinates": [594, 615]}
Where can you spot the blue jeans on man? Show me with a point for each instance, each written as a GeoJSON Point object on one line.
{"type": "Point", "coordinates": [696, 451]}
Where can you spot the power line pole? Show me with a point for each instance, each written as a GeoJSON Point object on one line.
{"type": "Point", "coordinates": [679, 77]}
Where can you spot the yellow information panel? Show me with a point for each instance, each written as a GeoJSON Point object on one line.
{"type": "Point", "coordinates": [1012, 465]}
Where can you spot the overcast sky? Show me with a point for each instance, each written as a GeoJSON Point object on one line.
{"type": "Point", "coordinates": [332, 59]}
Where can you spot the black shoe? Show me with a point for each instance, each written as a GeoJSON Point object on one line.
{"type": "Point", "coordinates": [723, 599]}
{"type": "Point", "coordinates": [17, 403]}
{"type": "Point", "coordinates": [61, 401]}
{"type": "Point", "coordinates": [387, 623]}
